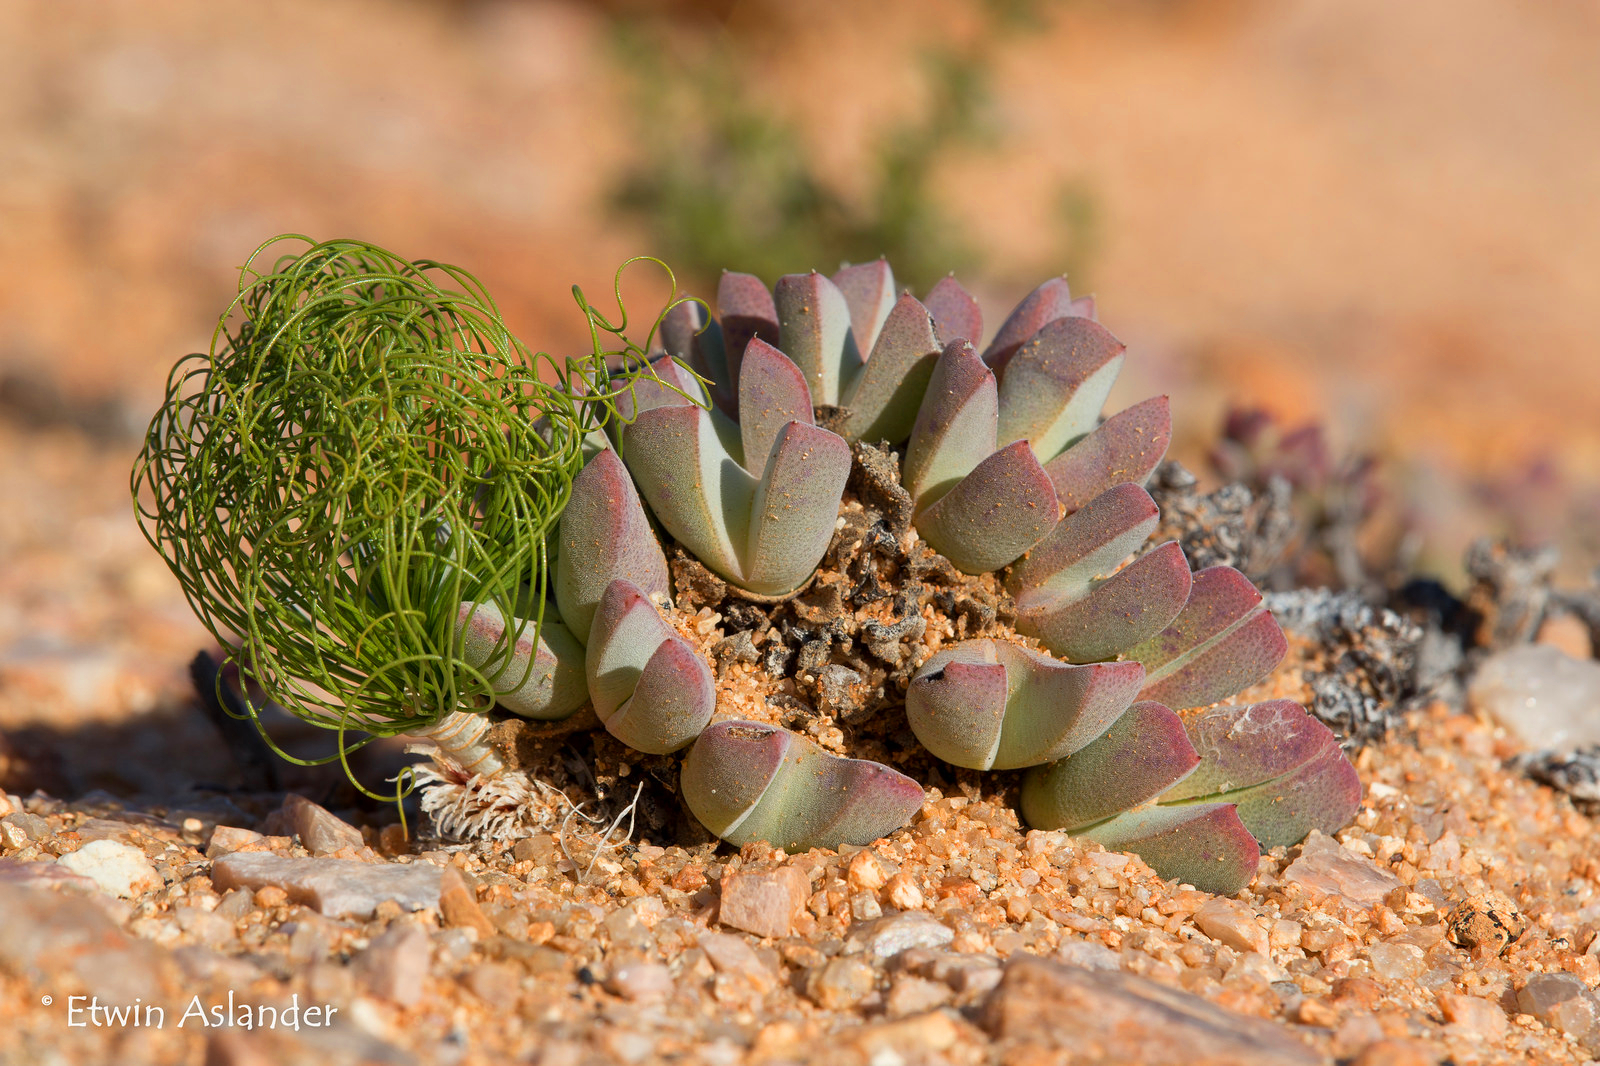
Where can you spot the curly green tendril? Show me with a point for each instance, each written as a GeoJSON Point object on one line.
{"type": "Point", "coordinates": [365, 450]}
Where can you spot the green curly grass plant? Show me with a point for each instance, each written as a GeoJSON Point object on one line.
{"type": "Point", "coordinates": [365, 451]}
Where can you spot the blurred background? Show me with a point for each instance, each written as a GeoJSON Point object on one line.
{"type": "Point", "coordinates": [1378, 217]}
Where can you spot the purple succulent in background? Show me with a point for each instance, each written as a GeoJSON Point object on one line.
{"type": "Point", "coordinates": [746, 781]}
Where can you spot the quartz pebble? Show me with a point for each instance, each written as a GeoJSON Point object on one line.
{"type": "Point", "coordinates": [1328, 867]}
{"type": "Point", "coordinates": [734, 958]}
{"type": "Point", "coordinates": [227, 838]}
{"type": "Point", "coordinates": [319, 830]}
{"type": "Point", "coordinates": [458, 904]}
{"type": "Point", "coordinates": [887, 937]}
{"type": "Point", "coordinates": [640, 981]}
{"type": "Point", "coordinates": [1232, 923]}
{"type": "Point", "coordinates": [1473, 1017]}
{"type": "Point", "coordinates": [1564, 1003]}
{"type": "Point", "coordinates": [841, 983]}
{"type": "Point", "coordinates": [764, 903]}
{"type": "Point", "coordinates": [1088, 954]}
{"type": "Point", "coordinates": [395, 965]}
{"type": "Point", "coordinates": [1543, 696]}
{"type": "Point", "coordinates": [1043, 1009]}
{"type": "Point", "coordinates": [335, 887]}
{"type": "Point", "coordinates": [119, 869]}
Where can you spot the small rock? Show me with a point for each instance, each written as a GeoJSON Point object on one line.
{"type": "Point", "coordinates": [1568, 633]}
{"type": "Point", "coordinates": [640, 981]}
{"type": "Point", "coordinates": [498, 984]}
{"type": "Point", "coordinates": [458, 904]}
{"type": "Point", "coordinates": [42, 874]}
{"type": "Point", "coordinates": [1542, 695]}
{"type": "Point", "coordinates": [1089, 955]}
{"type": "Point", "coordinates": [207, 927]}
{"type": "Point", "coordinates": [866, 872]}
{"type": "Point", "coordinates": [764, 903]}
{"type": "Point", "coordinates": [1485, 924]}
{"type": "Point", "coordinates": [909, 1039]}
{"type": "Point", "coordinates": [31, 826]}
{"type": "Point", "coordinates": [228, 838]}
{"type": "Point", "coordinates": [119, 869]}
{"type": "Point", "coordinates": [1398, 1052]}
{"type": "Point", "coordinates": [319, 830]}
{"type": "Point", "coordinates": [1473, 1017]}
{"type": "Point", "coordinates": [902, 892]}
{"type": "Point", "coordinates": [864, 907]}
{"type": "Point", "coordinates": [1044, 1011]}
{"type": "Point", "coordinates": [730, 955]}
{"type": "Point", "coordinates": [395, 965]}
{"type": "Point", "coordinates": [1395, 961]}
{"type": "Point", "coordinates": [627, 929]}
{"type": "Point", "coordinates": [1327, 867]}
{"type": "Point", "coordinates": [967, 975]}
{"type": "Point", "coordinates": [887, 937]}
{"type": "Point", "coordinates": [1562, 1002]}
{"type": "Point", "coordinates": [335, 887]}
{"type": "Point", "coordinates": [913, 995]}
{"type": "Point", "coordinates": [842, 983]}
{"type": "Point", "coordinates": [1232, 923]}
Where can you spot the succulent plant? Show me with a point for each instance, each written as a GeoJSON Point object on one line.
{"type": "Point", "coordinates": [1008, 469]}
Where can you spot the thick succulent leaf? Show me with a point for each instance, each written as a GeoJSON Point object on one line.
{"type": "Point", "coordinates": [988, 704]}
{"type": "Point", "coordinates": [747, 781]}
{"type": "Point", "coordinates": [650, 688]}
{"type": "Point", "coordinates": [814, 330]}
{"type": "Point", "coordinates": [691, 336]}
{"type": "Point", "coordinates": [544, 681]}
{"type": "Point", "coordinates": [868, 290]}
{"type": "Point", "coordinates": [1280, 766]}
{"type": "Point", "coordinates": [881, 404]}
{"type": "Point", "coordinates": [746, 311]}
{"type": "Point", "coordinates": [1223, 641]}
{"type": "Point", "coordinates": [956, 315]}
{"type": "Point", "coordinates": [994, 514]}
{"type": "Point", "coordinates": [692, 484]}
{"type": "Point", "coordinates": [955, 428]}
{"type": "Point", "coordinates": [795, 508]}
{"type": "Point", "coordinates": [772, 393]}
{"type": "Point", "coordinates": [1143, 754]}
{"type": "Point", "coordinates": [1126, 447]}
{"type": "Point", "coordinates": [673, 386]}
{"type": "Point", "coordinates": [1055, 384]}
{"type": "Point", "coordinates": [1050, 301]}
{"type": "Point", "coordinates": [604, 535]}
{"type": "Point", "coordinates": [1083, 307]}
{"type": "Point", "coordinates": [1087, 544]}
{"type": "Point", "coordinates": [1115, 614]}
{"type": "Point", "coordinates": [1203, 844]}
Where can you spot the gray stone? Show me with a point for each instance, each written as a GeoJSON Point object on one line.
{"type": "Point", "coordinates": [1044, 1011]}
{"type": "Point", "coordinates": [395, 965]}
{"type": "Point", "coordinates": [1563, 1002]}
{"type": "Point", "coordinates": [886, 937]}
{"type": "Point", "coordinates": [1088, 954]}
{"type": "Point", "coordinates": [1543, 696]}
{"type": "Point", "coordinates": [335, 887]}
{"type": "Point", "coordinates": [319, 830]}
{"type": "Point", "coordinates": [1328, 867]}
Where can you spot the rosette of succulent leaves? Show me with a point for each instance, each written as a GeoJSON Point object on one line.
{"type": "Point", "coordinates": [982, 532]}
